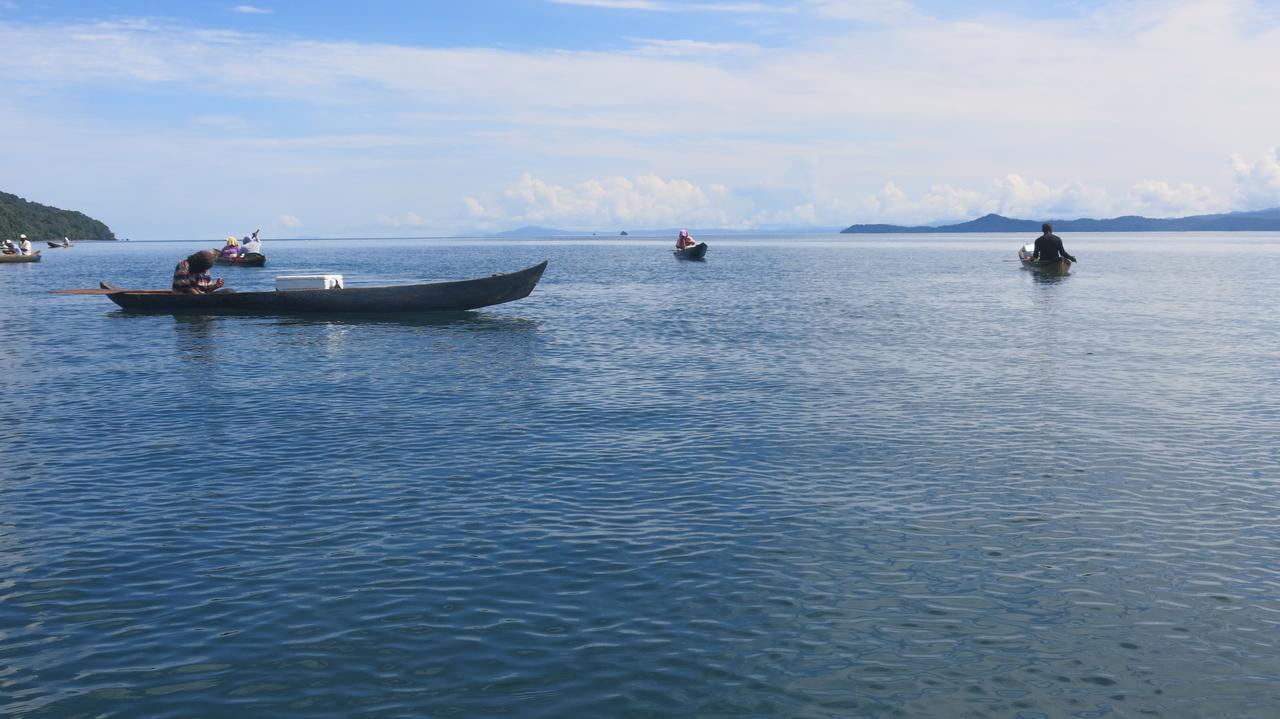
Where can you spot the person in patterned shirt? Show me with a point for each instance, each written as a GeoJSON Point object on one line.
{"type": "Point", "coordinates": [191, 276]}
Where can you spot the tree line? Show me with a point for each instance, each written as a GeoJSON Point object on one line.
{"type": "Point", "coordinates": [42, 222]}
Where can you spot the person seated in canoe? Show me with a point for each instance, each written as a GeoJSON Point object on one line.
{"type": "Point", "coordinates": [191, 276]}
{"type": "Point", "coordinates": [685, 240]}
{"type": "Point", "coordinates": [251, 244]}
{"type": "Point", "coordinates": [1049, 247]}
{"type": "Point", "coordinates": [10, 248]}
{"type": "Point", "coordinates": [231, 251]}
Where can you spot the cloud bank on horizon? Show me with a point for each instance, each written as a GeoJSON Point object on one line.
{"type": "Point", "coordinates": [609, 114]}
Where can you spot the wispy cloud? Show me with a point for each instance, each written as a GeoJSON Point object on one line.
{"type": "Point", "coordinates": [693, 48]}
{"type": "Point", "coordinates": [251, 10]}
{"type": "Point", "coordinates": [867, 11]}
{"type": "Point", "coordinates": [614, 4]}
{"type": "Point", "coordinates": [225, 122]}
{"type": "Point", "coordinates": [675, 7]}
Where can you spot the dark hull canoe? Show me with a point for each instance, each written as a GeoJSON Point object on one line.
{"type": "Point", "coordinates": [455, 296]}
{"type": "Point", "coordinates": [696, 252]}
{"type": "Point", "coordinates": [20, 258]}
{"type": "Point", "coordinates": [252, 259]}
{"type": "Point", "coordinates": [56, 245]}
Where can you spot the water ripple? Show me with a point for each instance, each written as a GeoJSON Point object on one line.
{"type": "Point", "coordinates": [800, 479]}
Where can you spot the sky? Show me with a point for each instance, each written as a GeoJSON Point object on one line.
{"type": "Point", "coordinates": [390, 118]}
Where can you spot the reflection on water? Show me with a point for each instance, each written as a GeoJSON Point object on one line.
{"type": "Point", "coordinates": [1047, 278]}
{"type": "Point", "coordinates": [470, 320]}
{"type": "Point", "coordinates": [195, 338]}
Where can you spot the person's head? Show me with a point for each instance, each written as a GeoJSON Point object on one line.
{"type": "Point", "coordinates": [22, 237]}
{"type": "Point", "coordinates": [201, 261]}
{"type": "Point", "coordinates": [245, 240]}
{"type": "Point", "coordinates": [232, 241]}
{"type": "Point", "coordinates": [1048, 228]}
{"type": "Point", "coordinates": [684, 233]}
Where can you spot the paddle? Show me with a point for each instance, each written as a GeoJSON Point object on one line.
{"type": "Point", "coordinates": [103, 289]}
{"type": "Point", "coordinates": [92, 291]}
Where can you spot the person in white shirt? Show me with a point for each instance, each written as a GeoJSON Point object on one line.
{"type": "Point", "coordinates": [24, 245]}
{"type": "Point", "coordinates": [251, 244]}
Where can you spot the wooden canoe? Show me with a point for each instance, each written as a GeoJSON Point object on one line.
{"type": "Point", "coordinates": [1059, 266]}
{"type": "Point", "coordinates": [251, 259]}
{"type": "Point", "coordinates": [56, 245]}
{"type": "Point", "coordinates": [34, 257]}
{"type": "Point", "coordinates": [454, 296]}
{"type": "Point", "coordinates": [696, 252]}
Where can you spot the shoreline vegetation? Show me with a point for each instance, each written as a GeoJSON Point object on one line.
{"type": "Point", "coordinates": [42, 222]}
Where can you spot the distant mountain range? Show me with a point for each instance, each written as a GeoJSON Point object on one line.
{"type": "Point", "coordinates": [1257, 221]}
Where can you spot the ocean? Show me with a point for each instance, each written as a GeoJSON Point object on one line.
{"type": "Point", "coordinates": [812, 476]}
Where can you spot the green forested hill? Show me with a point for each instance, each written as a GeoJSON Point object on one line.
{"type": "Point", "coordinates": [41, 222]}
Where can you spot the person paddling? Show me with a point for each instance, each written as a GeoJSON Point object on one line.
{"type": "Point", "coordinates": [191, 276]}
{"type": "Point", "coordinates": [1049, 247]}
{"type": "Point", "coordinates": [251, 245]}
{"type": "Point", "coordinates": [684, 240]}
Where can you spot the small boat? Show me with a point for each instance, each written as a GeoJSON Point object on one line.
{"type": "Point", "coordinates": [696, 252]}
{"type": "Point", "coordinates": [457, 296]}
{"type": "Point", "coordinates": [1059, 266]}
{"type": "Point", "coordinates": [57, 245]}
{"type": "Point", "coordinates": [249, 259]}
{"type": "Point", "coordinates": [33, 257]}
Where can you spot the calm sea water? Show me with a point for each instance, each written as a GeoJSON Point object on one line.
{"type": "Point", "coordinates": [812, 476]}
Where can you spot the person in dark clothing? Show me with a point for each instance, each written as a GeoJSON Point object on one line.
{"type": "Point", "coordinates": [1049, 247]}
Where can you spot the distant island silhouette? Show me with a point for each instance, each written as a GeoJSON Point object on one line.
{"type": "Point", "coordinates": [42, 222]}
{"type": "Point", "coordinates": [1256, 221]}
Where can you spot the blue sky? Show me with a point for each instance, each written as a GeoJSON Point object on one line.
{"type": "Point", "coordinates": [201, 119]}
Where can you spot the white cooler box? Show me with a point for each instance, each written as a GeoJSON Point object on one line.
{"type": "Point", "coordinates": [285, 283]}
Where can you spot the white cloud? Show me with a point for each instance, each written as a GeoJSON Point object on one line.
{"type": "Point", "coordinates": [868, 11]}
{"type": "Point", "coordinates": [940, 203]}
{"type": "Point", "coordinates": [1257, 184]}
{"type": "Point", "coordinates": [251, 10]}
{"type": "Point", "coordinates": [1158, 198]}
{"type": "Point", "coordinates": [289, 221]}
{"type": "Point", "coordinates": [647, 200]}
